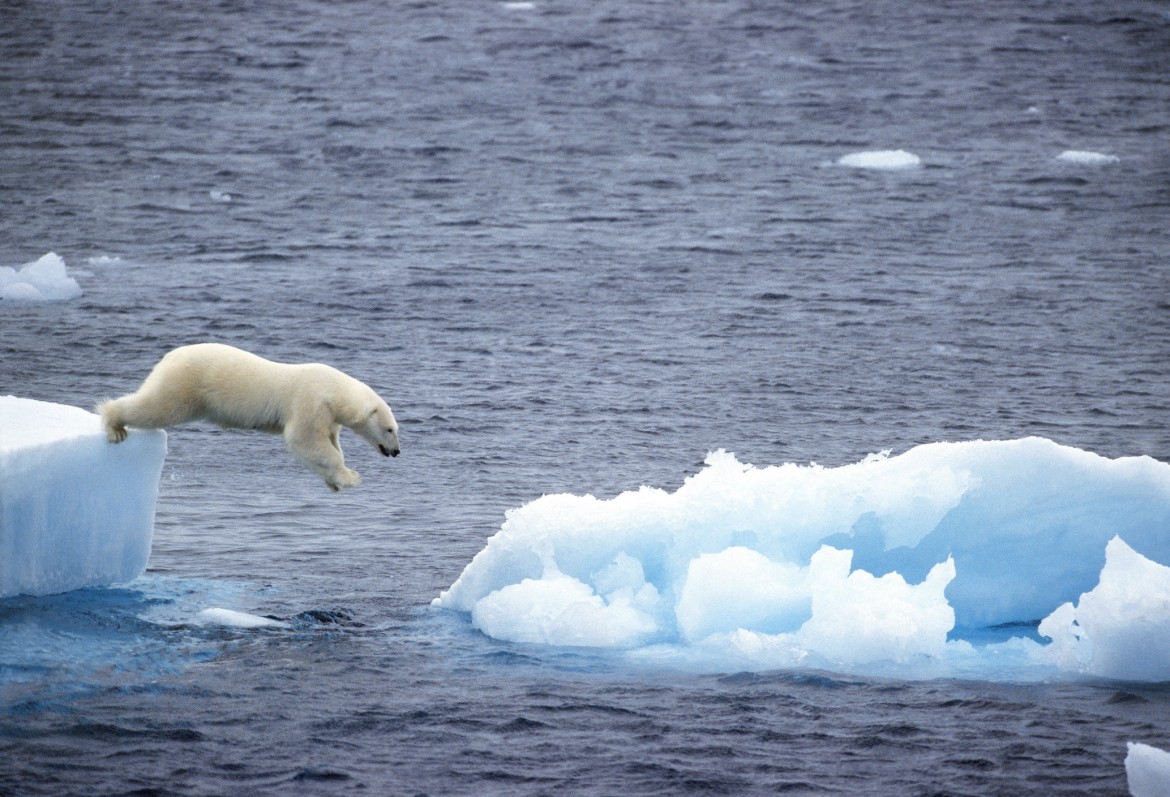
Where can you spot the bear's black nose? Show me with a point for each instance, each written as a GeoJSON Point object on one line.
{"type": "Point", "coordinates": [394, 453]}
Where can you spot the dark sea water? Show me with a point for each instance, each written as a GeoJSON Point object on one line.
{"type": "Point", "coordinates": [577, 246]}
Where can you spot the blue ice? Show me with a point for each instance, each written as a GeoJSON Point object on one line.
{"type": "Point", "coordinates": [1020, 558]}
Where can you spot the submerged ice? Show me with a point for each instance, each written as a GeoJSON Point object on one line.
{"type": "Point", "coordinates": [75, 511]}
{"type": "Point", "coordinates": [940, 555]}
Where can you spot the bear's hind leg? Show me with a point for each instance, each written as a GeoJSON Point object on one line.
{"type": "Point", "coordinates": [112, 420]}
{"type": "Point", "coordinates": [146, 409]}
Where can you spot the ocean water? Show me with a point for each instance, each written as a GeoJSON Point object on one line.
{"type": "Point", "coordinates": [577, 247]}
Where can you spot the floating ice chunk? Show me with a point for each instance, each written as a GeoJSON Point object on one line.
{"type": "Point", "coordinates": [1085, 157]}
{"type": "Point", "coordinates": [235, 619]}
{"type": "Point", "coordinates": [888, 159]}
{"type": "Point", "coordinates": [44, 280]}
{"type": "Point", "coordinates": [1121, 628]}
{"type": "Point", "coordinates": [220, 196]}
{"type": "Point", "coordinates": [519, 5]}
{"type": "Point", "coordinates": [1147, 770]}
{"type": "Point", "coordinates": [736, 568]}
{"type": "Point", "coordinates": [103, 260]}
{"type": "Point", "coordinates": [75, 510]}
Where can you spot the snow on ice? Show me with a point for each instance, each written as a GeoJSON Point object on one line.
{"type": "Point", "coordinates": [941, 560]}
{"type": "Point", "coordinates": [44, 280]}
{"type": "Point", "coordinates": [75, 510]}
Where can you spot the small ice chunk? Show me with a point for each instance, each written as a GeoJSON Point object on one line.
{"type": "Point", "coordinates": [234, 619]}
{"type": "Point", "coordinates": [220, 196]}
{"type": "Point", "coordinates": [1147, 770]}
{"type": "Point", "coordinates": [886, 159]}
{"type": "Point", "coordinates": [1086, 157]}
{"type": "Point", "coordinates": [43, 280]}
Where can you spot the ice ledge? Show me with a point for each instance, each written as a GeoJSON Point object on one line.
{"type": "Point", "coordinates": [75, 510]}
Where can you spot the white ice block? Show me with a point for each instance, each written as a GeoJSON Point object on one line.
{"type": "Point", "coordinates": [1147, 771]}
{"type": "Point", "coordinates": [75, 510]}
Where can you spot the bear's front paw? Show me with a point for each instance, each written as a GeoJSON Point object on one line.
{"type": "Point", "coordinates": [116, 434]}
{"type": "Point", "coordinates": [346, 478]}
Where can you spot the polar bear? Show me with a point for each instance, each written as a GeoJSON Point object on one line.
{"type": "Point", "coordinates": [308, 404]}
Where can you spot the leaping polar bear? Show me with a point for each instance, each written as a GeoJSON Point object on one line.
{"type": "Point", "coordinates": [307, 404]}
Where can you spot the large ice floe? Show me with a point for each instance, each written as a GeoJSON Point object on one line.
{"type": "Point", "coordinates": [75, 510]}
{"type": "Point", "coordinates": [1007, 559]}
{"type": "Point", "coordinates": [43, 280]}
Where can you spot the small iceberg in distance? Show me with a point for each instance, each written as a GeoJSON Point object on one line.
{"type": "Point", "coordinates": [1086, 157]}
{"type": "Point", "coordinates": [886, 159]}
{"type": "Point", "coordinates": [43, 280]}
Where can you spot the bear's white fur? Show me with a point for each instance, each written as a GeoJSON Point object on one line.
{"type": "Point", "coordinates": [307, 403]}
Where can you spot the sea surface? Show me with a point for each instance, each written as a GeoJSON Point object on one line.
{"type": "Point", "coordinates": [577, 246]}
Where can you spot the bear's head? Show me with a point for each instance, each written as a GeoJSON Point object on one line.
{"type": "Point", "coordinates": [379, 428]}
